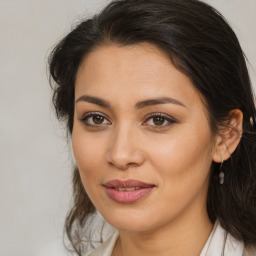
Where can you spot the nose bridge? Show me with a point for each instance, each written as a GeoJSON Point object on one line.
{"type": "Point", "coordinates": [124, 147]}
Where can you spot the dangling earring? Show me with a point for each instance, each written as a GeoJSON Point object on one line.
{"type": "Point", "coordinates": [221, 175]}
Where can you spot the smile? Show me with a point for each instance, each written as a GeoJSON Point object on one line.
{"type": "Point", "coordinates": [127, 191]}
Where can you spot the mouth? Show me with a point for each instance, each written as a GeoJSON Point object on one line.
{"type": "Point", "coordinates": [127, 191]}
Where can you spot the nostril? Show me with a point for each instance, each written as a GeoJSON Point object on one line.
{"type": "Point", "coordinates": [125, 159]}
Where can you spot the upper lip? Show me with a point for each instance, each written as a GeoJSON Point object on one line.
{"type": "Point", "coordinates": [127, 184]}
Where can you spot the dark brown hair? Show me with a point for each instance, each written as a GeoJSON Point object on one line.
{"type": "Point", "coordinates": [200, 44]}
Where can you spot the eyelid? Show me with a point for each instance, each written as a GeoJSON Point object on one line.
{"type": "Point", "coordinates": [170, 119]}
{"type": "Point", "coordinates": [159, 114]}
{"type": "Point", "coordinates": [166, 117]}
{"type": "Point", "coordinates": [87, 115]}
{"type": "Point", "coordinates": [92, 113]}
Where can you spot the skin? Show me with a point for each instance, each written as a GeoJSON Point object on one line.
{"type": "Point", "coordinates": [127, 143]}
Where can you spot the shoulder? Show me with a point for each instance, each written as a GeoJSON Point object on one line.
{"type": "Point", "coordinates": [250, 250]}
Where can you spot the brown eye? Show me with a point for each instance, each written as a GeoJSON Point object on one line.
{"type": "Point", "coordinates": [98, 119]}
{"type": "Point", "coordinates": [158, 120]}
{"type": "Point", "coordinates": [95, 120]}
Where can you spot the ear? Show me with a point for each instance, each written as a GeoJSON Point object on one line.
{"type": "Point", "coordinates": [229, 137]}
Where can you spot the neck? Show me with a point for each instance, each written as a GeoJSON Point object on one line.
{"type": "Point", "coordinates": [184, 236]}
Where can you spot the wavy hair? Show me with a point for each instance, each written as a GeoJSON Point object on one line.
{"type": "Point", "coordinates": [201, 44]}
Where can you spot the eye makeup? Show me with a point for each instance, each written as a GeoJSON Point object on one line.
{"type": "Point", "coordinates": [152, 120]}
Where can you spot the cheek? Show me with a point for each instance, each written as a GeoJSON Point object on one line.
{"type": "Point", "coordinates": [182, 165]}
{"type": "Point", "coordinates": [184, 157]}
{"type": "Point", "coordinates": [89, 154]}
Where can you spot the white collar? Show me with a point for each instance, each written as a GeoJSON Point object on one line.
{"type": "Point", "coordinates": [219, 243]}
{"type": "Point", "coordinates": [107, 247]}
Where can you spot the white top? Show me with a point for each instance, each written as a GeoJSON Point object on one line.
{"type": "Point", "coordinates": [219, 243]}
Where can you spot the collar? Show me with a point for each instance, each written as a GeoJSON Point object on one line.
{"type": "Point", "coordinates": [219, 243]}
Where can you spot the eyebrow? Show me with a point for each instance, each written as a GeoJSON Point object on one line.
{"type": "Point", "coordinates": [157, 101]}
{"type": "Point", "coordinates": [139, 105]}
{"type": "Point", "coordinates": [94, 100]}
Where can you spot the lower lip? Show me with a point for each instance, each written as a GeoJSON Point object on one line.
{"type": "Point", "coordinates": [127, 197]}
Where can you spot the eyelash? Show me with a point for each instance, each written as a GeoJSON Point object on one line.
{"type": "Point", "coordinates": [170, 120]}
{"type": "Point", "coordinates": [85, 118]}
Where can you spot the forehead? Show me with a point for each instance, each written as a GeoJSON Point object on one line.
{"type": "Point", "coordinates": [139, 71]}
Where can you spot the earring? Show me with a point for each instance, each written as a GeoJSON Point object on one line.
{"type": "Point", "coordinates": [221, 175]}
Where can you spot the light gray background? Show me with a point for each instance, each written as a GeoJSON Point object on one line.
{"type": "Point", "coordinates": [35, 166]}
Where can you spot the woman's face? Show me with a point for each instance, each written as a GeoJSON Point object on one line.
{"type": "Point", "coordinates": [141, 138]}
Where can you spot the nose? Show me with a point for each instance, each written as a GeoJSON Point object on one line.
{"type": "Point", "coordinates": [125, 149]}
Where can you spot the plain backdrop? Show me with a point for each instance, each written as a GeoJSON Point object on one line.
{"type": "Point", "coordinates": [35, 163]}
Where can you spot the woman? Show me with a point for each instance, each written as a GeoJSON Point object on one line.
{"type": "Point", "coordinates": [157, 98]}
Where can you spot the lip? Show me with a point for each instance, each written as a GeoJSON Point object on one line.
{"type": "Point", "coordinates": [136, 190]}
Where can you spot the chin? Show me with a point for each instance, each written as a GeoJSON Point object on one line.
{"type": "Point", "coordinates": [133, 220]}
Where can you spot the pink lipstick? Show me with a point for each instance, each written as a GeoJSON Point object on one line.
{"type": "Point", "coordinates": [127, 191]}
